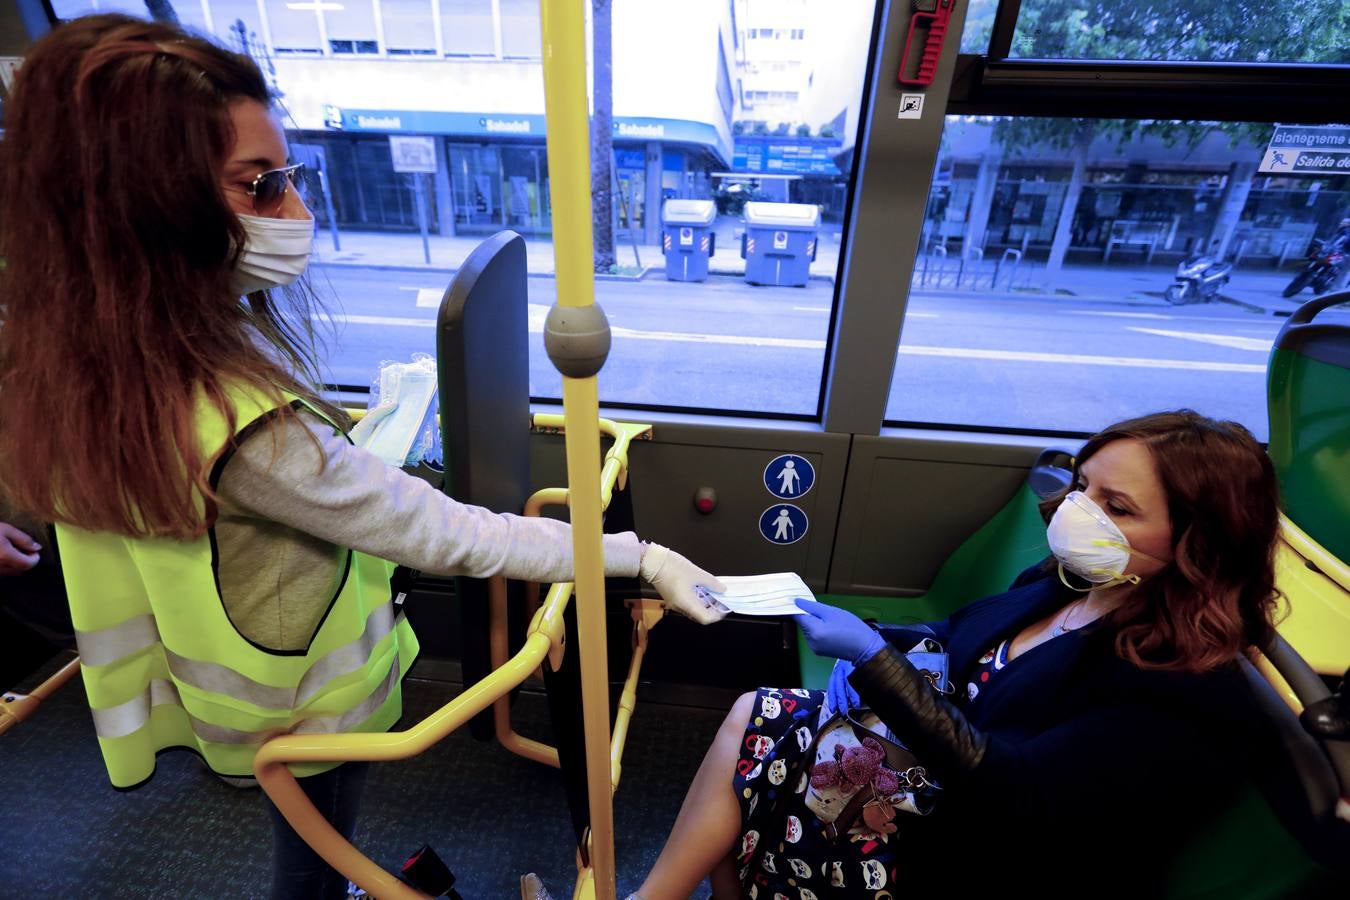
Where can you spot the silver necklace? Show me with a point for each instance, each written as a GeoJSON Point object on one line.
{"type": "Point", "coordinates": [1062, 625]}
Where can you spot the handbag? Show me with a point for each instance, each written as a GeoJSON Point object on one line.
{"type": "Point", "coordinates": [861, 775]}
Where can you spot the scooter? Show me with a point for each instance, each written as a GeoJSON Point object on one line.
{"type": "Point", "coordinates": [1198, 280]}
{"type": "Point", "coordinates": [1320, 272]}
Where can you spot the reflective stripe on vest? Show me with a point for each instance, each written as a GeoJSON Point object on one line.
{"type": "Point", "coordinates": [164, 667]}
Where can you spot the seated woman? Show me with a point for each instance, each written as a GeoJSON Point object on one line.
{"type": "Point", "coordinates": [1099, 711]}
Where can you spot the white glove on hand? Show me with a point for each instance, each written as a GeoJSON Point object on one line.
{"type": "Point", "coordinates": [677, 580]}
{"type": "Point", "coordinates": [362, 430]}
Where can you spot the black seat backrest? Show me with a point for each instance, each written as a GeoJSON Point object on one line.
{"type": "Point", "coordinates": [482, 358]}
{"type": "Point", "coordinates": [1302, 785]}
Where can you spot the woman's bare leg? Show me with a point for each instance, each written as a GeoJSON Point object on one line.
{"type": "Point", "coordinates": [725, 880]}
{"type": "Point", "coordinates": [709, 822]}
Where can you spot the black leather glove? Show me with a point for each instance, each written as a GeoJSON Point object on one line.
{"type": "Point", "coordinates": [930, 725]}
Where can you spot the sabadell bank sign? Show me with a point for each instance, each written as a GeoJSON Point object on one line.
{"type": "Point", "coordinates": [628, 130]}
{"type": "Point", "coordinates": [505, 126]}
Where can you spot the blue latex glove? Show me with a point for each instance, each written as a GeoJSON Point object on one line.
{"type": "Point", "coordinates": [831, 631]}
{"type": "Point", "coordinates": [839, 692]}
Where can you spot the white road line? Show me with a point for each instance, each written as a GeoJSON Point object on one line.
{"type": "Point", "coordinates": [1259, 345]}
{"type": "Point", "coordinates": [1131, 362]}
{"type": "Point", "coordinates": [811, 309]}
{"type": "Point", "coordinates": [429, 298]}
{"type": "Point", "coordinates": [392, 321]}
{"type": "Point", "coordinates": [537, 324]}
{"type": "Point", "coordinates": [920, 315]}
{"type": "Point", "coordinates": [739, 340]}
{"type": "Point", "coordinates": [1119, 315]}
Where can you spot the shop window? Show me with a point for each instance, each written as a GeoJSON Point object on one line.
{"type": "Point", "coordinates": [351, 26]}
{"type": "Point", "coordinates": [295, 26]}
{"type": "Point", "coordinates": [408, 27]}
{"type": "Point", "coordinates": [238, 25]}
{"type": "Point", "coordinates": [467, 27]}
{"type": "Point", "coordinates": [1312, 31]}
{"type": "Point", "coordinates": [1048, 251]}
{"type": "Point", "coordinates": [520, 29]}
{"type": "Point", "coordinates": [354, 46]}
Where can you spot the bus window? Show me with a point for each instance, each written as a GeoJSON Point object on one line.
{"type": "Point", "coordinates": [1051, 290]}
{"type": "Point", "coordinates": [723, 101]}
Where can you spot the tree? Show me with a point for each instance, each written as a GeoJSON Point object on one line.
{"type": "Point", "coordinates": [1209, 30]}
{"type": "Point", "coordinates": [602, 137]}
{"type": "Point", "coordinates": [162, 11]}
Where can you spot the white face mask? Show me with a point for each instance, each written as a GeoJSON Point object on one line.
{"type": "Point", "coordinates": [1090, 545]}
{"type": "Point", "coordinates": [276, 252]}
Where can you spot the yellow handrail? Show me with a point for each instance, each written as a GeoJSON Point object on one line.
{"type": "Point", "coordinates": [1335, 569]}
{"type": "Point", "coordinates": [544, 636]}
{"type": "Point", "coordinates": [15, 707]}
{"type": "Point", "coordinates": [1317, 587]}
{"type": "Point", "coordinates": [614, 473]}
{"type": "Point", "coordinates": [567, 112]}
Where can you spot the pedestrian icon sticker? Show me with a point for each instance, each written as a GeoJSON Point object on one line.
{"type": "Point", "coordinates": [783, 523]}
{"type": "Point", "coordinates": [780, 240]}
{"type": "Point", "coordinates": [789, 476]}
{"type": "Point", "coordinates": [686, 237]}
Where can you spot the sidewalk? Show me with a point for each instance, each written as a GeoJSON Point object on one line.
{"type": "Point", "coordinates": [1257, 288]}
{"type": "Point", "coordinates": [405, 251]}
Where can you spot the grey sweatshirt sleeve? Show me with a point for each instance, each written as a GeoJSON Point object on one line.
{"type": "Point", "coordinates": [349, 497]}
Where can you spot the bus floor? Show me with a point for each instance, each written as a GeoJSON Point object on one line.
{"type": "Point", "coordinates": [491, 815]}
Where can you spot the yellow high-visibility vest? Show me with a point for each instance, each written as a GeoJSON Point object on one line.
{"type": "Point", "coordinates": [164, 667]}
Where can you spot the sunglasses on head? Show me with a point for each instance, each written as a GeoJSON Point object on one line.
{"type": "Point", "coordinates": [269, 189]}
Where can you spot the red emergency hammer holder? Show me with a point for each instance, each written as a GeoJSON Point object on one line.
{"type": "Point", "coordinates": [930, 28]}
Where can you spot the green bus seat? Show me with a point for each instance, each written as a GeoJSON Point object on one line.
{"type": "Point", "coordinates": [985, 564]}
{"type": "Point", "coordinates": [1308, 398]}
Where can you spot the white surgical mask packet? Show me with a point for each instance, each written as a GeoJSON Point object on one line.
{"type": "Point", "coordinates": [276, 252]}
{"type": "Point", "coordinates": [1087, 543]}
{"type": "Point", "coordinates": [408, 434]}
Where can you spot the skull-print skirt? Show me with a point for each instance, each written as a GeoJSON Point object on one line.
{"type": "Point", "coordinates": [783, 850]}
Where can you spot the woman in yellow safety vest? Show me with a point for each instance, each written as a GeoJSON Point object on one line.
{"type": "Point", "coordinates": [227, 549]}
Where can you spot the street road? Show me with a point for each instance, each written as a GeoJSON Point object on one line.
{"type": "Point", "coordinates": [1001, 360]}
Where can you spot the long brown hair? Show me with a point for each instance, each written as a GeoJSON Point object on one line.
{"type": "Point", "coordinates": [117, 313]}
{"type": "Point", "coordinates": [1218, 595]}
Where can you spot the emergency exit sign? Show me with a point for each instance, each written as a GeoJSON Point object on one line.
{"type": "Point", "coordinates": [1308, 150]}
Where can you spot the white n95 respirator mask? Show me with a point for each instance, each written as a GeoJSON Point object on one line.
{"type": "Point", "coordinates": [276, 252]}
{"type": "Point", "coordinates": [1087, 543]}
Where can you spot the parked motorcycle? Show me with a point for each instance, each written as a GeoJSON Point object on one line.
{"type": "Point", "coordinates": [1325, 259]}
{"type": "Point", "coordinates": [1198, 280]}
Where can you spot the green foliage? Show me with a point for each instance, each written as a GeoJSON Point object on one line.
{"type": "Point", "coordinates": [1205, 30]}
{"type": "Point", "coordinates": [803, 130]}
{"type": "Point", "coordinates": [826, 130]}
{"type": "Point", "coordinates": [738, 128]}
{"type": "Point", "coordinates": [761, 128]}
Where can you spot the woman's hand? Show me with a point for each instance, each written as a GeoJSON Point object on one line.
{"type": "Point", "coordinates": [361, 432]}
{"type": "Point", "coordinates": [678, 581]}
{"type": "Point", "coordinates": [18, 551]}
{"type": "Point", "coordinates": [842, 697]}
{"type": "Point", "coordinates": [831, 631]}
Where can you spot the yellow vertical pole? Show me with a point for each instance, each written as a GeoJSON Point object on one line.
{"type": "Point", "coordinates": [567, 111]}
